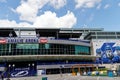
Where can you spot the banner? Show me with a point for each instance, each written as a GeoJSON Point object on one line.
{"type": "Point", "coordinates": [23, 40]}
{"type": "Point", "coordinates": [21, 72]}
{"type": "Point", "coordinates": [108, 50]}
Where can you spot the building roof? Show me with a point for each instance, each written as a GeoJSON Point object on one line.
{"type": "Point", "coordinates": [62, 33]}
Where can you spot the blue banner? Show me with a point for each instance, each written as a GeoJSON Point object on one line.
{"type": "Point", "coordinates": [108, 53]}
{"type": "Point", "coordinates": [20, 72]}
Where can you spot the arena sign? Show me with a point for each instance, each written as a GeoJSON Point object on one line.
{"type": "Point", "coordinates": [22, 40]}
{"type": "Point", "coordinates": [43, 40]}
{"type": "Point", "coordinates": [25, 40]}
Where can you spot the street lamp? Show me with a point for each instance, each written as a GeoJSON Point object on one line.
{"type": "Point", "coordinates": [9, 67]}
{"type": "Point", "coordinates": [13, 65]}
{"type": "Point", "coordinates": [29, 69]}
{"type": "Point", "coordinates": [33, 64]}
{"type": "Point", "coordinates": [8, 74]}
{"type": "Point", "coordinates": [33, 68]}
{"type": "Point", "coordinates": [28, 65]}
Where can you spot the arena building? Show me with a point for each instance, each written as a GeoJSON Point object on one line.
{"type": "Point", "coordinates": [36, 51]}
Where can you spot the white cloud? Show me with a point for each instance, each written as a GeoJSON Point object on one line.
{"type": "Point", "coordinates": [106, 6]}
{"type": "Point", "coordinates": [7, 23]}
{"type": "Point", "coordinates": [58, 3]}
{"type": "Point", "coordinates": [28, 9]}
{"type": "Point", "coordinates": [47, 20]}
{"type": "Point", "coordinates": [86, 3]}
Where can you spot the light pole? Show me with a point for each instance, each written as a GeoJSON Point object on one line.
{"type": "Point", "coordinates": [8, 75]}
{"type": "Point", "coordinates": [29, 69]}
{"type": "Point", "coordinates": [33, 68]}
{"type": "Point", "coordinates": [13, 66]}
{"type": "Point", "coordinates": [9, 67]}
{"type": "Point", "coordinates": [61, 66]}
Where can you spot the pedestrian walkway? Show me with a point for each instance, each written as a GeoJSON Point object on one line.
{"type": "Point", "coordinates": [67, 77]}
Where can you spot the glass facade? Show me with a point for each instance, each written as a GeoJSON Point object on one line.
{"type": "Point", "coordinates": [43, 49]}
{"type": "Point", "coordinates": [81, 50]}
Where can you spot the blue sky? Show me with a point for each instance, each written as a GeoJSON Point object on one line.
{"type": "Point", "coordinates": [61, 14]}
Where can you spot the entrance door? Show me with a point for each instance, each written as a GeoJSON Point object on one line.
{"type": "Point", "coordinates": [81, 68]}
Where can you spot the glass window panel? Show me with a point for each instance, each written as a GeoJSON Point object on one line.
{"type": "Point", "coordinates": [27, 46]}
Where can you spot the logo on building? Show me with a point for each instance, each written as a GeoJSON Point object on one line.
{"type": "Point", "coordinates": [3, 41]}
{"type": "Point", "coordinates": [20, 73]}
{"type": "Point", "coordinates": [43, 40]}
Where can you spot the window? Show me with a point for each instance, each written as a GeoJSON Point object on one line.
{"type": "Point", "coordinates": [27, 46]}
{"type": "Point", "coordinates": [82, 50]}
